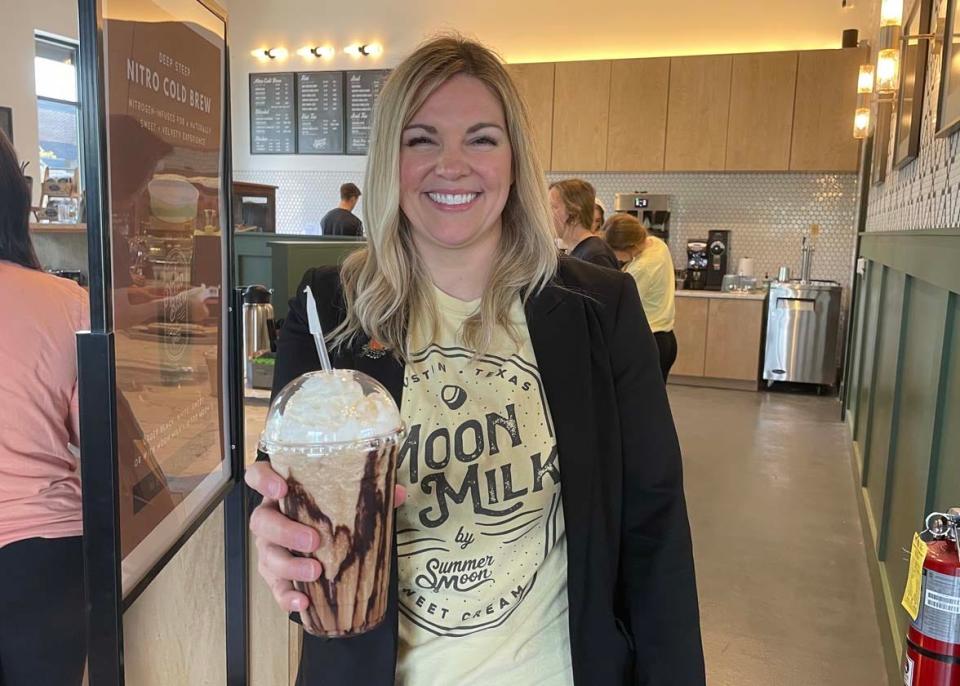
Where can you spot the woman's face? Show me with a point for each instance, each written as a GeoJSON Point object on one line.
{"type": "Point", "coordinates": [597, 218]}
{"type": "Point", "coordinates": [456, 167]}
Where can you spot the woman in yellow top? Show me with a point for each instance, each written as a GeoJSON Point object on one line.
{"type": "Point", "coordinates": [648, 261]}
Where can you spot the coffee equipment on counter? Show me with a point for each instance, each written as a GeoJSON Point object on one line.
{"type": "Point", "coordinates": [259, 332]}
{"type": "Point", "coordinates": [718, 247]}
{"type": "Point", "coordinates": [74, 275]}
{"type": "Point", "coordinates": [697, 260]}
{"type": "Point", "coordinates": [653, 211]}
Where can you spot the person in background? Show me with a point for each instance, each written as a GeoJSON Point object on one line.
{"type": "Point", "coordinates": [42, 633]}
{"type": "Point", "coordinates": [341, 221]}
{"type": "Point", "coordinates": [647, 259]}
{"type": "Point", "coordinates": [460, 284]}
{"type": "Point", "coordinates": [598, 215]}
{"type": "Point", "coordinates": [571, 203]}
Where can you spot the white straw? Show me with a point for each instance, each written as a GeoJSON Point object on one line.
{"type": "Point", "coordinates": [313, 319]}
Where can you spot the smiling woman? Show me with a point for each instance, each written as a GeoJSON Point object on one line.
{"type": "Point", "coordinates": [544, 536]}
{"type": "Point", "coordinates": [451, 120]}
{"type": "Point", "coordinates": [455, 163]}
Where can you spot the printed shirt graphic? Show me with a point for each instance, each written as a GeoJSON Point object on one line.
{"type": "Point", "coordinates": [481, 545]}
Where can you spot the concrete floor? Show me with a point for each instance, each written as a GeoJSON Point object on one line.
{"type": "Point", "coordinates": [785, 596]}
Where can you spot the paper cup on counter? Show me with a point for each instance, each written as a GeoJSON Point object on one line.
{"type": "Point", "coordinates": [745, 266]}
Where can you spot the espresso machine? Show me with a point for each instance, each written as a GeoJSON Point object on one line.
{"type": "Point", "coordinates": [697, 261]}
{"type": "Point", "coordinates": [653, 211]}
{"type": "Point", "coordinates": [718, 247]}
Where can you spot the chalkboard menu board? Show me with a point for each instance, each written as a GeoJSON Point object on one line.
{"type": "Point", "coordinates": [363, 87]}
{"type": "Point", "coordinates": [320, 113]}
{"type": "Point", "coordinates": [273, 127]}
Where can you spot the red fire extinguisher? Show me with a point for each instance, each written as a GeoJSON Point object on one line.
{"type": "Point", "coordinates": [932, 655]}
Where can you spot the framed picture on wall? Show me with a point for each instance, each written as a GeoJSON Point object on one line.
{"type": "Point", "coordinates": [6, 122]}
{"type": "Point", "coordinates": [881, 143]}
{"type": "Point", "coordinates": [913, 76]}
{"type": "Point", "coordinates": [948, 106]}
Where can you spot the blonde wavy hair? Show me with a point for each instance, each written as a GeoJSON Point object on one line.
{"type": "Point", "coordinates": [387, 282]}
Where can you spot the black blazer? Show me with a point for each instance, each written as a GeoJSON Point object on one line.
{"type": "Point", "coordinates": [630, 580]}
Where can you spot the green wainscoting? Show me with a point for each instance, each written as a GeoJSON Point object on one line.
{"type": "Point", "coordinates": [278, 261]}
{"type": "Point", "coordinates": [291, 259]}
{"type": "Point", "coordinates": [903, 401]}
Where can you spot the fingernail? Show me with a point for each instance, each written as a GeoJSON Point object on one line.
{"type": "Point", "coordinates": [308, 571]}
{"type": "Point", "coordinates": [297, 604]}
{"type": "Point", "coordinates": [304, 542]}
{"type": "Point", "coordinates": [275, 489]}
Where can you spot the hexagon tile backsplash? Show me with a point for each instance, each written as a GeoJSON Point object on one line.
{"type": "Point", "coordinates": [765, 212]}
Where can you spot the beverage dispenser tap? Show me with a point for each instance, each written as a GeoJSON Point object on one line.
{"type": "Point", "coordinates": [806, 253]}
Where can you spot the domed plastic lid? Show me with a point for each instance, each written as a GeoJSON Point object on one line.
{"type": "Point", "coordinates": [321, 410]}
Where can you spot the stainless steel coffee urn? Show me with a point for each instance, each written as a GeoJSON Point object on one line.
{"type": "Point", "coordinates": [259, 332]}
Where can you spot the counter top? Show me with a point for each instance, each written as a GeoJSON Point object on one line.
{"type": "Point", "coordinates": [52, 227]}
{"type": "Point", "coordinates": [731, 295]}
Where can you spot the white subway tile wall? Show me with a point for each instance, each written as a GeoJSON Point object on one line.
{"type": "Point", "coordinates": [924, 194]}
{"type": "Point", "coordinates": [765, 212]}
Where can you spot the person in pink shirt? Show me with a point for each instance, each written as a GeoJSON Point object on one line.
{"type": "Point", "coordinates": [42, 636]}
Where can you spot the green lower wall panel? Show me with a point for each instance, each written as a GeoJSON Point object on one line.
{"type": "Point", "coordinates": [904, 405]}
{"type": "Point", "coordinates": [853, 379]}
{"type": "Point", "coordinates": [945, 485]}
{"type": "Point", "coordinates": [867, 343]}
{"type": "Point", "coordinates": [925, 307]}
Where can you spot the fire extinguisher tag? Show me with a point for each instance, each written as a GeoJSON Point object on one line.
{"type": "Point", "coordinates": [911, 594]}
{"type": "Point", "coordinates": [908, 668]}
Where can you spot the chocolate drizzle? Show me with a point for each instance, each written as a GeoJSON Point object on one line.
{"type": "Point", "coordinates": [353, 600]}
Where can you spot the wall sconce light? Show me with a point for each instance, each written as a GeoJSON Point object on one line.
{"type": "Point", "coordinates": [891, 12]}
{"type": "Point", "coordinates": [888, 70]}
{"type": "Point", "coordinates": [325, 52]}
{"type": "Point", "coordinates": [364, 50]}
{"type": "Point", "coordinates": [865, 80]}
{"type": "Point", "coordinates": [861, 123]}
{"type": "Point", "coordinates": [265, 54]}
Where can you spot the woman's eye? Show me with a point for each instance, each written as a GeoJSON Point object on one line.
{"type": "Point", "coordinates": [483, 140]}
{"type": "Point", "coordinates": [419, 140]}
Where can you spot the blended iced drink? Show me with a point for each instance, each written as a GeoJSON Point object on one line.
{"type": "Point", "coordinates": [334, 436]}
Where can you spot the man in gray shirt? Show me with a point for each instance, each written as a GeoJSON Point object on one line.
{"type": "Point", "coordinates": [341, 221]}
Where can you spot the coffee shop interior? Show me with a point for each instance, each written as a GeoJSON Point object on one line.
{"type": "Point", "coordinates": [798, 160]}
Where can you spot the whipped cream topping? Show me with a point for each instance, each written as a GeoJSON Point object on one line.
{"type": "Point", "coordinates": [330, 407]}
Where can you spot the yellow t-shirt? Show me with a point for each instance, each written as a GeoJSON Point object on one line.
{"type": "Point", "coordinates": [481, 543]}
{"type": "Point", "coordinates": [653, 271]}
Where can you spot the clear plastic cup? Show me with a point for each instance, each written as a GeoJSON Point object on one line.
{"type": "Point", "coordinates": [334, 437]}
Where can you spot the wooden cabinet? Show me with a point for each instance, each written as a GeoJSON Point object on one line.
{"type": "Point", "coordinates": [719, 340]}
{"type": "Point", "coordinates": [733, 339]}
{"type": "Point", "coordinates": [697, 113]}
{"type": "Point", "coordinates": [638, 114]}
{"type": "Point", "coordinates": [823, 115]}
{"type": "Point", "coordinates": [762, 92]}
{"type": "Point", "coordinates": [580, 114]}
{"type": "Point", "coordinates": [781, 111]}
{"type": "Point", "coordinates": [690, 328]}
{"type": "Point", "coordinates": [535, 83]}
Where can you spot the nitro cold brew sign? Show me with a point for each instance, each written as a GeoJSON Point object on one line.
{"type": "Point", "coordinates": [483, 479]}
{"type": "Point", "coordinates": [173, 89]}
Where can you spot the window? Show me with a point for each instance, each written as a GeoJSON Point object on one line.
{"type": "Point", "coordinates": [58, 106]}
